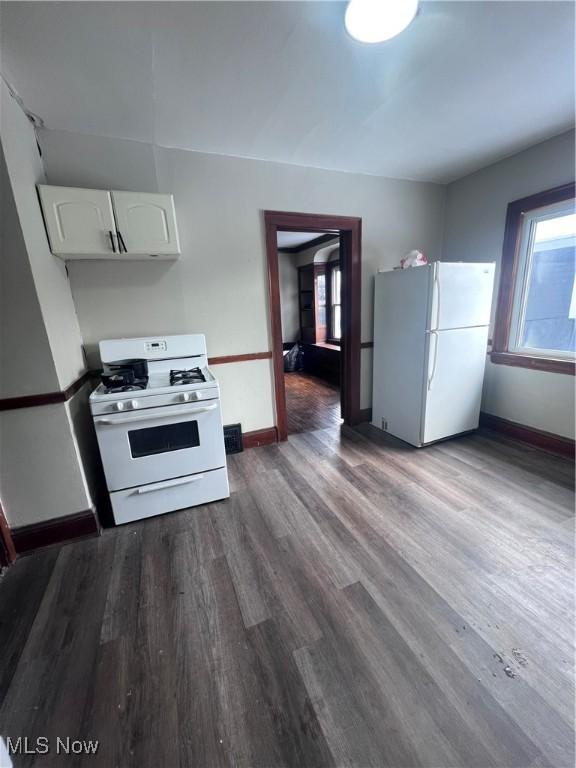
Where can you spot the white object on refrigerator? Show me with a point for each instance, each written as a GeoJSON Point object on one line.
{"type": "Point", "coordinates": [430, 339]}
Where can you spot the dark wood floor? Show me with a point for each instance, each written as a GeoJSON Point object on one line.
{"type": "Point", "coordinates": [355, 603]}
{"type": "Point", "coordinates": [311, 403]}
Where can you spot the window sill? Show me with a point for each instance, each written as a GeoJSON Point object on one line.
{"type": "Point", "coordinates": [327, 345]}
{"type": "Point", "coordinates": [535, 363]}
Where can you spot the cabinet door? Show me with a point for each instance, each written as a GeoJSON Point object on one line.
{"type": "Point", "coordinates": [146, 223]}
{"type": "Point", "coordinates": [79, 221]}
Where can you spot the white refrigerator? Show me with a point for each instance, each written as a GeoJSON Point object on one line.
{"type": "Point", "coordinates": [430, 343]}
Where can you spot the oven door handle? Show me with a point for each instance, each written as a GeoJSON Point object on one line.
{"type": "Point", "coordinates": [112, 420]}
{"type": "Point", "coordinates": [169, 484]}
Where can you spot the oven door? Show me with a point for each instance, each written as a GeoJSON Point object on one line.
{"type": "Point", "coordinates": [160, 443]}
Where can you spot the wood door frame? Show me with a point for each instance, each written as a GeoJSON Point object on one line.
{"type": "Point", "coordinates": [349, 229]}
{"type": "Point", "coordinates": [7, 548]}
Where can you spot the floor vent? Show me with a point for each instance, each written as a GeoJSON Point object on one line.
{"type": "Point", "coordinates": [233, 438]}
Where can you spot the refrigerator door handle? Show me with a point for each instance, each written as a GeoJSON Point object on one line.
{"type": "Point", "coordinates": [436, 289]}
{"type": "Point", "coordinates": [433, 334]}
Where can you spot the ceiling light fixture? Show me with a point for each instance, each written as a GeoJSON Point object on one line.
{"type": "Point", "coordinates": [373, 21]}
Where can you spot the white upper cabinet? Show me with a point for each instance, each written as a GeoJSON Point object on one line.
{"type": "Point", "coordinates": [98, 224]}
{"type": "Point", "coordinates": [146, 223]}
{"type": "Point", "coordinates": [80, 222]}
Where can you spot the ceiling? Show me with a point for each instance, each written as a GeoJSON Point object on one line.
{"type": "Point", "coordinates": [466, 84]}
{"type": "Point", "coordinates": [295, 239]}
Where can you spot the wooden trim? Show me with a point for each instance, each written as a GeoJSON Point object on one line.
{"type": "Point", "coordinates": [349, 229]}
{"type": "Point", "coordinates": [546, 441]}
{"type": "Point", "coordinates": [239, 358]}
{"type": "Point", "coordinates": [46, 398]}
{"type": "Point", "coordinates": [367, 345]}
{"type": "Point", "coordinates": [260, 437]}
{"type": "Point", "coordinates": [351, 265]}
{"type": "Point", "coordinates": [310, 244]}
{"type": "Point", "coordinates": [366, 414]}
{"type": "Point", "coordinates": [7, 548]}
{"type": "Point", "coordinates": [501, 353]}
{"type": "Point", "coordinates": [330, 304]}
{"type": "Point", "coordinates": [30, 537]}
{"type": "Point", "coordinates": [276, 324]}
{"type": "Point", "coordinates": [535, 363]}
{"type": "Point", "coordinates": [334, 347]}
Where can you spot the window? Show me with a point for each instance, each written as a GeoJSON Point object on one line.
{"type": "Point", "coordinates": [536, 313]}
{"type": "Point", "coordinates": [321, 299]}
{"type": "Point", "coordinates": [335, 302]}
{"type": "Point", "coordinates": [168, 437]}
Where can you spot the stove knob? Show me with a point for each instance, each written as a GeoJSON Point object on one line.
{"type": "Point", "coordinates": [133, 404]}
{"type": "Point", "coordinates": [185, 397]}
{"type": "Point", "coordinates": [119, 406]}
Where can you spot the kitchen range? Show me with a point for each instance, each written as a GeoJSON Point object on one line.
{"type": "Point", "coordinates": [159, 426]}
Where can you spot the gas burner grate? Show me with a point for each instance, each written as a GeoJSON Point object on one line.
{"type": "Point", "coordinates": [124, 388]}
{"type": "Point", "coordinates": [189, 376]}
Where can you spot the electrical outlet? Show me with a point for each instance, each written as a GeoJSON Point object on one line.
{"type": "Point", "coordinates": [384, 425]}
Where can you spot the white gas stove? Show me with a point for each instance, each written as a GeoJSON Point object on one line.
{"type": "Point", "coordinates": [160, 436]}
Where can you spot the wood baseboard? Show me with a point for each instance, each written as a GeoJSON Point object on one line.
{"type": "Point", "coordinates": [260, 437]}
{"type": "Point", "coordinates": [7, 549]}
{"type": "Point", "coordinates": [239, 358]}
{"type": "Point", "coordinates": [27, 538]}
{"type": "Point", "coordinates": [546, 441]}
{"type": "Point", "coordinates": [46, 398]}
{"type": "Point", "coordinates": [365, 414]}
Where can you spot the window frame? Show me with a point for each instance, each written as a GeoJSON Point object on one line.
{"type": "Point", "coordinates": [331, 266]}
{"type": "Point", "coordinates": [503, 350]}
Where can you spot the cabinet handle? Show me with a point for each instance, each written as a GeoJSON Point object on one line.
{"type": "Point", "coordinates": [121, 243]}
{"type": "Point", "coordinates": [112, 243]}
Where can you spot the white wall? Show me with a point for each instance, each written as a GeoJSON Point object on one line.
{"type": "Point", "coordinates": [288, 274]}
{"type": "Point", "coordinates": [219, 286]}
{"type": "Point", "coordinates": [26, 364]}
{"type": "Point", "coordinates": [475, 217]}
{"type": "Point", "coordinates": [41, 475]}
{"type": "Point", "coordinates": [25, 170]}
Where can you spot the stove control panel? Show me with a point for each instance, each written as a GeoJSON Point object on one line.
{"type": "Point", "coordinates": [190, 397]}
{"type": "Point", "coordinates": [131, 401]}
{"type": "Point", "coordinates": [126, 405]}
{"type": "Point", "coordinates": [155, 346]}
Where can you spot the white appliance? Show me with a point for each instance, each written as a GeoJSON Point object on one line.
{"type": "Point", "coordinates": [161, 440]}
{"type": "Point", "coordinates": [430, 342]}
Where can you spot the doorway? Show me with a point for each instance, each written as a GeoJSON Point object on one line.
{"type": "Point", "coordinates": [340, 319]}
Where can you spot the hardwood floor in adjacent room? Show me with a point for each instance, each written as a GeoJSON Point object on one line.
{"type": "Point", "coordinates": [355, 602]}
{"type": "Point", "coordinates": [311, 403]}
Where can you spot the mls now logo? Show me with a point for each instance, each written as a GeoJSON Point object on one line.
{"type": "Point", "coordinates": [42, 746]}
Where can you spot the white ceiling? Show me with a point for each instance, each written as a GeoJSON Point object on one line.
{"type": "Point", "coordinates": [466, 84]}
{"type": "Point", "coordinates": [294, 239]}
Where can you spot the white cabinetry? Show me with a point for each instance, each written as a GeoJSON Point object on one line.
{"type": "Point", "coordinates": [98, 224]}
{"type": "Point", "coordinates": [80, 222]}
{"type": "Point", "coordinates": [146, 223]}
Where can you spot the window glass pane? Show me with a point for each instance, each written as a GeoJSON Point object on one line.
{"type": "Point", "coordinates": [336, 286]}
{"type": "Point", "coordinates": [322, 315]}
{"type": "Point", "coordinates": [549, 312]}
{"type": "Point", "coordinates": [321, 289]}
{"type": "Point", "coordinates": [336, 329]}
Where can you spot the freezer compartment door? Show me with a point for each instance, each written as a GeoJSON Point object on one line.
{"type": "Point", "coordinates": [453, 389]}
{"type": "Point", "coordinates": [461, 295]}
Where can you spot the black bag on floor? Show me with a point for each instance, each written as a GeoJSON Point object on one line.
{"type": "Point", "coordinates": [294, 359]}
